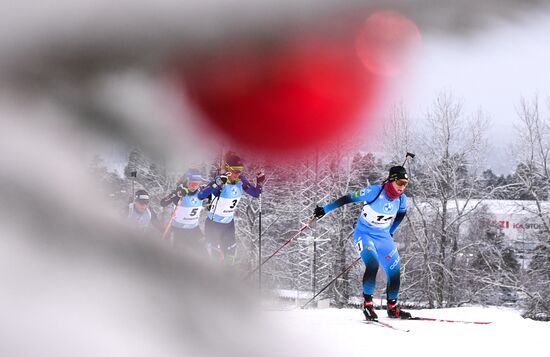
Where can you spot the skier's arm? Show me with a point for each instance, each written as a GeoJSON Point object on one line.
{"type": "Point", "coordinates": [253, 191]}
{"type": "Point", "coordinates": [171, 198]}
{"type": "Point", "coordinates": [397, 221]}
{"type": "Point", "coordinates": [319, 212]}
{"type": "Point", "coordinates": [175, 196]}
{"type": "Point", "coordinates": [358, 196]}
{"type": "Point", "coordinates": [344, 200]}
{"type": "Point", "coordinates": [400, 214]}
{"type": "Point", "coordinates": [211, 189]}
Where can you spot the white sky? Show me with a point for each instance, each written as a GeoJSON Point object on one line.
{"type": "Point", "coordinates": [490, 70]}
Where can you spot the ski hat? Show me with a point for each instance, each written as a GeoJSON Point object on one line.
{"type": "Point", "coordinates": [397, 173]}
{"type": "Point", "coordinates": [193, 175]}
{"type": "Point", "coordinates": [233, 160]}
{"type": "Point", "coordinates": [141, 196]}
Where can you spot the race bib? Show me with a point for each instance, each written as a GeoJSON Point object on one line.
{"type": "Point", "coordinates": [376, 219]}
{"type": "Point", "coordinates": [188, 215]}
{"type": "Point", "coordinates": [359, 246]}
{"type": "Point", "coordinates": [225, 207]}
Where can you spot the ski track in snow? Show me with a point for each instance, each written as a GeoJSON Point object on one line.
{"type": "Point", "coordinates": [341, 332]}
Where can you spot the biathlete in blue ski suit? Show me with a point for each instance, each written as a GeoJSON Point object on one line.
{"type": "Point", "coordinates": [226, 191]}
{"type": "Point", "coordinates": [185, 229]}
{"type": "Point", "coordinates": [384, 209]}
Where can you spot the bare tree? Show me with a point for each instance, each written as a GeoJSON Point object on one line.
{"type": "Point", "coordinates": [533, 173]}
{"type": "Point", "coordinates": [444, 184]}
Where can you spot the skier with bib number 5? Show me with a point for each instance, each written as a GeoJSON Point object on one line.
{"type": "Point", "coordinates": [384, 209]}
{"type": "Point", "coordinates": [226, 191]}
{"type": "Point", "coordinates": [185, 229]}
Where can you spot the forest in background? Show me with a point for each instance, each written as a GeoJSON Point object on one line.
{"type": "Point", "coordinates": [450, 255]}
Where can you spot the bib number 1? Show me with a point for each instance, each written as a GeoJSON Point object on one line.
{"type": "Point", "coordinates": [375, 218]}
{"type": "Point", "coordinates": [359, 246]}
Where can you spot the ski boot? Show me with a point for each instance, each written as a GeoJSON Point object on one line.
{"type": "Point", "coordinates": [394, 312]}
{"type": "Point", "coordinates": [368, 308]}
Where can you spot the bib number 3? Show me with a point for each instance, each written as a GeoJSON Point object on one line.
{"type": "Point", "coordinates": [225, 207]}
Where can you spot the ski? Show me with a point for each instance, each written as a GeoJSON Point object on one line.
{"type": "Point", "coordinates": [451, 321]}
{"type": "Point", "coordinates": [384, 324]}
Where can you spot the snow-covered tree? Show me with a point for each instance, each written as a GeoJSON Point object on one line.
{"type": "Point", "coordinates": [488, 263]}
{"type": "Point", "coordinates": [445, 179]}
{"type": "Point", "coordinates": [533, 174]}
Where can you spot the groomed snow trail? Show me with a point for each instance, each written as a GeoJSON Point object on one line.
{"type": "Point", "coordinates": [340, 332]}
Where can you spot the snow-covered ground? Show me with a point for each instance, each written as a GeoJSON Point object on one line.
{"type": "Point", "coordinates": [341, 332]}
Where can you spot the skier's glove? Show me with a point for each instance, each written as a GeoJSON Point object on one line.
{"type": "Point", "coordinates": [319, 212]}
{"type": "Point", "coordinates": [221, 180]}
{"type": "Point", "coordinates": [181, 191]}
{"type": "Point", "coordinates": [260, 179]}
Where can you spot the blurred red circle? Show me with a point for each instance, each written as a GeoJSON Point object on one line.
{"type": "Point", "coordinates": [385, 41]}
{"type": "Point", "coordinates": [281, 97]}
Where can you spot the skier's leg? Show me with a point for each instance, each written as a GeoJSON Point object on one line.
{"type": "Point", "coordinates": [367, 250]}
{"type": "Point", "coordinates": [368, 254]}
{"type": "Point", "coordinates": [229, 243]}
{"type": "Point", "coordinates": [189, 239]}
{"type": "Point", "coordinates": [197, 241]}
{"type": "Point", "coordinates": [213, 232]}
{"type": "Point", "coordinates": [178, 238]}
{"type": "Point", "coordinates": [390, 261]}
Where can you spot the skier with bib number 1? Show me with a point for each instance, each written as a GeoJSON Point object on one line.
{"type": "Point", "coordinates": [227, 190]}
{"type": "Point", "coordinates": [384, 209]}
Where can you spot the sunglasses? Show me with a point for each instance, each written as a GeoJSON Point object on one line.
{"type": "Point", "coordinates": [401, 183]}
{"type": "Point", "coordinates": [235, 169]}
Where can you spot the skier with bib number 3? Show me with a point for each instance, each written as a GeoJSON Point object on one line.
{"type": "Point", "coordinates": [227, 191]}
{"type": "Point", "coordinates": [384, 209]}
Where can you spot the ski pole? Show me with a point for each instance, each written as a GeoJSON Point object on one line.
{"type": "Point", "coordinates": [169, 224]}
{"type": "Point", "coordinates": [332, 281]}
{"type": "Point", "coordinates": [133, 175]}
{"type": "Point", "coordinates": [260, 246]}
{"type": "Point", "coordinates": [311, 221]}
